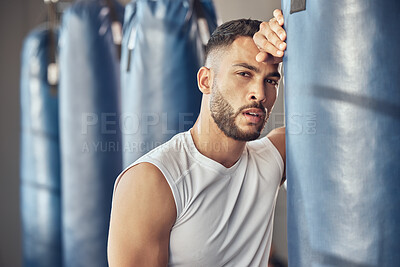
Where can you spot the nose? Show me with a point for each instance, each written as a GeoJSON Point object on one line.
{"type": "Point", "coordinates": [258, 93]}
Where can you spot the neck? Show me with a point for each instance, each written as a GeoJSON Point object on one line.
{"type": "Point", "coordinates": [214, 144]}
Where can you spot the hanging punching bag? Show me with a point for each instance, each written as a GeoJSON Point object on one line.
{"type": "Point", "coordinates": [40, 158]}
{"type": "Point", "coordinates": [162, 50]}
{"type": "Point", "coordinates": [89, 133]}
{"type": "Point", "coordinates": [342, 87]}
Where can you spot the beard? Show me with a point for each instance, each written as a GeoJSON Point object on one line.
{"type": "Point", "coordinates": [224, 116]}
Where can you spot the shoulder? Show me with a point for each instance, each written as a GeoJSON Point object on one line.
{"type": "Point", "coordinates": [277, 138]}
{"type": "Point", "coordinates": [142, 215]}
{"type": "Point", "coordinates": [170, 150]}
{"type": "Point", "coordinates": [172, 159]}
{"type": "Point", "coordinates": [144, 183]}
{"type": "Point", "coordinates": [143, 173]}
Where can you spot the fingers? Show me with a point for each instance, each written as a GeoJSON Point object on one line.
{"type": "Point", "coordinates": [265, 45]}
{"type": "Point", "coordinates": [277, 28]}
{"type": "Point", "coordinates": [276, 35]}
{"type": "Point", "coordinates": [278, 16]}
{"type": "Point", "coordinates": [270, 39]}
{"type": "Point", "coordinates": [267, 39]}
{"type": "Point", "coordinates": [268, 58]}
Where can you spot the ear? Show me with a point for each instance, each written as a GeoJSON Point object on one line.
{"type": "Point", "coordinates": [204, 80]}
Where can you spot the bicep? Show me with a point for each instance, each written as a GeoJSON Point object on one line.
{"type": "Point", "coordinates": [142, 215]}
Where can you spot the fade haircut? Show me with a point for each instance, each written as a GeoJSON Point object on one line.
{"type": "Point", "coordinates": [228, 32]}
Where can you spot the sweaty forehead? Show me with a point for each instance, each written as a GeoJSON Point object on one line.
{"type": "Point", "coordinates": [241, 48]}
{"type": "Point", "coordinates": [243, 51]}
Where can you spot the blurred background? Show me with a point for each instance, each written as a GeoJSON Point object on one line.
{"type": "Point", "coordinates": [17, 19]}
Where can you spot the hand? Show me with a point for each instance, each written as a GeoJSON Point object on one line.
{"type": "Point", "coordinates": [270, 39]}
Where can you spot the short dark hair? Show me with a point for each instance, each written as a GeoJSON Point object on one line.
{"type": "Point", "coordinates": [225, 34]}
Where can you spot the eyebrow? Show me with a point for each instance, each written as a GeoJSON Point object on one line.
{"type": "Point", "coordinates": [257, 70]}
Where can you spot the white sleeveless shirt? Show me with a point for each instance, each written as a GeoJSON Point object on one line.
{"type": "Point", "coordinates": [224, 215]}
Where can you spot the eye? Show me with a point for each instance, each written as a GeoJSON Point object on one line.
{"type": "Point", "coordinates": [273, 82]}
{"type": "Point", "coordinates": [244, 74]}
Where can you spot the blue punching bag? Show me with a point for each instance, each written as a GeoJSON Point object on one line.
{"type": "Point", "coordinates": [89, 133]}
{"type": "Point", "coordinates": [40, 155]}
{"type": "Point", "coordinates": [162, 50]}
{"type": "Point", "coordinates": [342, 86]}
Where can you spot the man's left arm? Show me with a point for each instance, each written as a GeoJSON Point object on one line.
{"type": "Point", "coordinates": [277, 137]}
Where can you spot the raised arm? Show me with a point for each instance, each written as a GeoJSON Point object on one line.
{"type": "Point", "coordinates": [142, 216]}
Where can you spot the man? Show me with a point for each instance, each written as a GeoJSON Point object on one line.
{"type": "Point", "coordinates": [207, 196]}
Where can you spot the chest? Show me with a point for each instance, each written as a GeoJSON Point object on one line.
{"type": "Point", "coordinates": [222, 215]}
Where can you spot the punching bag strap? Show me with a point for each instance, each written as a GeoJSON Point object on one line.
{"type": "Point", "coordinates": [116, 26]}
{"type": "Point", "coordinates": [201, 22]}
{"type": "Point", "coordinates": [52, 67]}
{"type": "Point", "coordinates": [297, 5]}
{"type": "Point", "coordinates": [131, 41]}
{"type": "Point", "coordinates": [131, 46]}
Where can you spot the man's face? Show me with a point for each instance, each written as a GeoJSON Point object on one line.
{"type": "Point", "coordinates": [243, 91]}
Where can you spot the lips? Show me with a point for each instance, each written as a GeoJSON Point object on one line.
{"type": "Point", "coordinates": [254, 115]}
{"type": "Point", "coordinates": [254, 112]}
